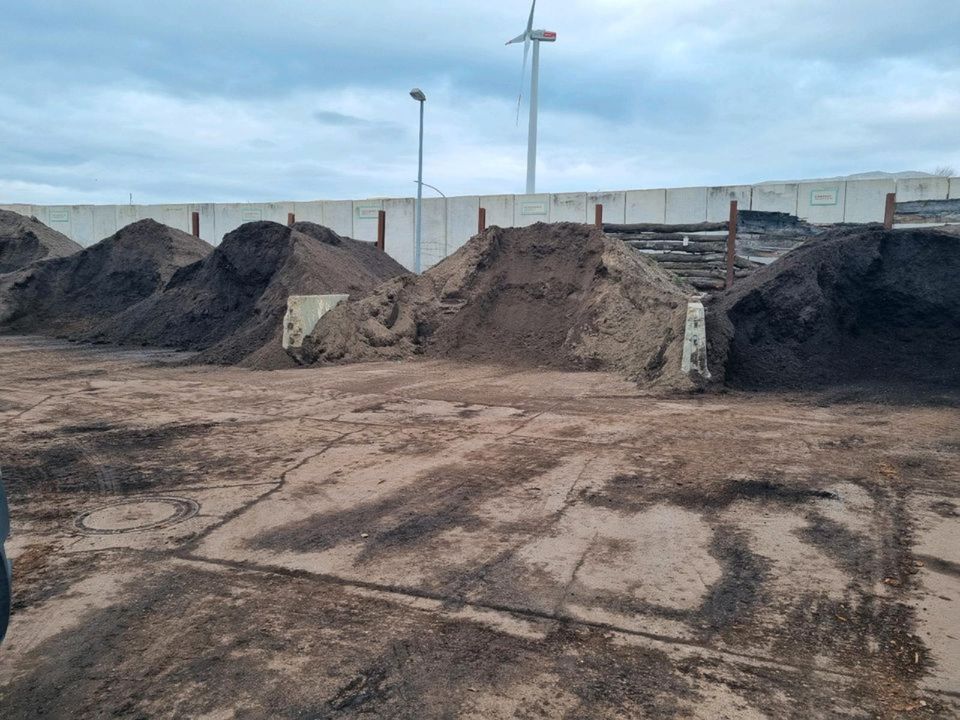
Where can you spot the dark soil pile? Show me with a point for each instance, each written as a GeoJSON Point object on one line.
{"type": "Point", "coordinates": [230, 305]}
{"type": "Point", "coordinates": [24, 240]}
{"type": "Point", "coordinates": [563, 296]}
{"type": "Point", "coordinates": [856, 306]}
{"type": "Point", "coordinates": [68, 296]}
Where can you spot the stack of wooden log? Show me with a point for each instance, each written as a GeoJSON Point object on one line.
{"type": "Point", "coordinates": [695, 252]}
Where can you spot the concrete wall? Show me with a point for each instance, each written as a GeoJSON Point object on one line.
{"type": "Point", "coordinates": [449, 222]}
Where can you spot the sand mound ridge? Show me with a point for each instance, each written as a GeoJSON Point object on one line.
{"type": "Point", "coordinates": [230, 305]}
{"type": "Point", "coordinates": [854, 306]}
{"type": "Point", "coordinates": [67, 296]}
{"type": "Point", "coordinates": [25, 240]}
{"type": "Point", "coordinates": [563, 296]}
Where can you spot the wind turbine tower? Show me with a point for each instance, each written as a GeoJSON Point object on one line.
{"type": "Point", "coordinates": [535, 37]}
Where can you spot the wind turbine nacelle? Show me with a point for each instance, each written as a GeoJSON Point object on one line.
{"type": "Point", "coordinates": [543, 35]}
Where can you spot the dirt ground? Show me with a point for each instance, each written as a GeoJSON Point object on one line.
{"type": "Point", "coordinates": [437, 540]}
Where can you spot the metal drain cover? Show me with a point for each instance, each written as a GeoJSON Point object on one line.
{"type": "Point", "coordinates": [136, 515]}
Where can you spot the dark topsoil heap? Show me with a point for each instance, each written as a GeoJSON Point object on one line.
{"type": "Point", "coordinates": [231, 305]}
{"type": "Point", "coordinates": [856, 306]}
{"type": "Point", "coordinates": [563, 296]}
{"type": "Point", "coordinates": [69, 295]}
{"type": "Point", "coordinates": [24, 240]}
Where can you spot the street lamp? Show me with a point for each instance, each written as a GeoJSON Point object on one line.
{"type": "Point", "coordinates": [417, 94]}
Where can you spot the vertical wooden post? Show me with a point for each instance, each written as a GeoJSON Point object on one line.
{"type": "Point", "coordinates": [382, 230]}
{"type": "Point", "coordinates": [291, 219]}
{"type": "Point", "coordinates": [598, 215]}
{"type": "Point", "coordinates": [889, 211]}
{"type": "Point", "coordinates": [731, 242]}
{"type": "Point", "coordinates": [482, 220]}
{"type": "Point", "coordinates": [195, 223]}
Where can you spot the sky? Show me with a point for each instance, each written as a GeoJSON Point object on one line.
{"type": "Point", "coordinates": [245, 100]}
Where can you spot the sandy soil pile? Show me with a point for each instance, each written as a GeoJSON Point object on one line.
{"type": "Point", "coordinates": [563, 296]}
{"type": "Point", "coordinates": [67, 296]}
{"type": "Point", "coordinates": [24, 240]}
{"type": "Point", "coordinates": [854, 306]}
{"type": "Point", "coordinates": [230, 305]}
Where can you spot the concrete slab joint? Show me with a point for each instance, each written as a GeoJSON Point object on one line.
{"type": "Point", "coordinates": [695, 340]}
{"type": "Point", "coordinates": [303, 313]}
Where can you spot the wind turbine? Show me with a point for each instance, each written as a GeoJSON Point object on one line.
{"type": "Point", "coordinates": [536, 37]}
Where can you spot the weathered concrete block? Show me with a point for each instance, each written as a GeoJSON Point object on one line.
{"type": "Point", "coordinates": [303, 312]}
{"type": "Point", "coordinates": [695, 341]}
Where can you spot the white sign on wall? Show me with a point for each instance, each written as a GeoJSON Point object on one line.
{"type": "Point", "coordinates": [368, 212]}
{"type": "Point", "coordinates": [58, 216]}
{"type": "Point", "coordinates": [533, 208]}
{"type": "Point", "coordinates": [825, 196]}
{"type": "Point", "coordinates": [251, 215]}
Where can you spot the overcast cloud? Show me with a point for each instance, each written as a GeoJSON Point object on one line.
{"type": "Point", "coordinates": [296, 99]}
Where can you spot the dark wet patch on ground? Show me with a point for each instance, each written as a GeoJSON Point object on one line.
{"type": "Point", "coordinates": [444, 498]}
{"type": "Point", "coordinates": [740, 591]}
{"type": "Point", "coordinates": [854, 552]}
{"type": "Point", "coordinates": [939, 565]}
{"type": "Point", "coordinates": [945, 509]}
{"type": "Point", "coordinates": [635, 492]}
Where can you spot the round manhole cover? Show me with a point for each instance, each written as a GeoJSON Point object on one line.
{"type": "Point", "coordinates": [136, 515]}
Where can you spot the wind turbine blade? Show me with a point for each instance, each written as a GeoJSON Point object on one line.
{"type": "Point", "coordinates": [517, 39]}
{"type": "Point", "coordinates": [530, 21]}
{"type": "Point", "coordinates": [523, 75]}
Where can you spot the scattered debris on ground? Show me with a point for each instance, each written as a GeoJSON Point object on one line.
{"type": "Point", "coordinates": [563, 296]}
{"type": "Point", "coordinates": [855, 305]}
{"type": "Point", "coordinates": [67, 296]}
{"type": "Point", "coordinates": [230, 305]}
{"type": "Point", "coordinates": [25, 240]}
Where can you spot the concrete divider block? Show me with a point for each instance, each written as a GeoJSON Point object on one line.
{"type": "Point", "coordinates": [365, 214]}
{"type": "Point", "coordinates": [60, 218]}
{"type": "Point", "coordinates": [462, 215]}
{"type": "Point", "coordinates": [104, 221]}
{"type": "Point", "coordinates": [694, 361]}
{"type": "Point", "coordinates": [865, 200]}
{"type": "Point", "coordinates": [303, 312]}
{"type": "Point", "coordinates": [127, 214]}
{"type": "Point", "coordinates": [401, 217]}
{"type": "Point", "coordinates": [927, 188]}
{"type": "Point", "coordinates": [775, 198]}
{"type": "Point", "coordinates": [821, 202]}
{"type": "Point", "coordinates": [338, 216]}
{"type": "Point", "coordinates": [686, 205]}
{"type": "Point", "coordinates": [718, 201]}
{"type": "Point", "coordinates": [568, 207]}
{"type": "Point", "coordinates": [645, 206]}
{"type": "Point", "coordinates": [954, 189]}
{"type": "Point", "coordinates": [81, 225]}
{"type": "Point", "coordinates": [499, 209]}
{"type": "Point", "coordinates": [614, 206]}
{"type": "Point", "coordinates": [530, 209]}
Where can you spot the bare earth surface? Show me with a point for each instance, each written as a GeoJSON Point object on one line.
{"type": "Point", "coordinates": [434, 540]}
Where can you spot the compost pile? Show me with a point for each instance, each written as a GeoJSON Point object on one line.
{"type": "Point", "coordinates": [230, 305]}
{"type": "Point", "coordinates": [67, 296]}
{"type": "Point", "coordinates": [564, 296]}
{"type": "Point", "coordinates": [24, 240]}
{"type": "Point", "coordinates": [856, 306]}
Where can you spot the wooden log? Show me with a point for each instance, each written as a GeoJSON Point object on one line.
{"type": "Point", "coordinates": [669, 237]}
{"type": "Point", "coordinates": [690, 266]}
{"type": "Point", "coordinates": [663, 228]}
{"type": "Point", "coordinates": [718, 272]}
{"type": "Point", "coordinates": [704, 284]}
{"type": "Point", "coordinates": [691, 247]}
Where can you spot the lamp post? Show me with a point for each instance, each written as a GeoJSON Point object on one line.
{"type": "Point", "coordinates": [417, 94]}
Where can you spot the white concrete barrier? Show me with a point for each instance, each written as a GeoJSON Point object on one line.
{"type": "Point", "coordinates": [303, 313]}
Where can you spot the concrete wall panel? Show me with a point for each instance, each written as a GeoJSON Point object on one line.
{"type": "Point", "coordinates": [462, 215]}
{"type": "Point", "coordinates": [309, 212]}
{"type": "Point", "coordinates": [530, 209]}
{"type": "Point", "coordinates": [433, 248]}
{"type": "Point", "coordinates": [338, 216]}
{"type": "Point", "coordinates": [104, 221]}
{"type": "Point", "coordinates": [614, 206]}
{"type": "Point", "coordinates": [686, 205]}
{"type": "Point", "coordinates": [81, 224]}
{"type": "Point", "coordinates": [954, 189]}
{"type": "Point", "coordinates": [821, 202]}
{"type": "Point", "coordinates": [208, 222]}
{"type": "Point", "coordinates": [568, 207]}
{"type": "Point", "coordinates": [401, 215]}
{"type": "Point", "coordinates": [365, 219]}
{"type": "Point", "coordinates": [931, 188]}
{"type": "Point", "coordinates": [645, 206]}
{"type": "Point", "coordinates": [775, 198]}
{"type": "Point", "coordinates": [718, 201]}
{"type": "Point", "coordinates": [865, 200]}
{"type": "Point", "coordinates": [499, 209]}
